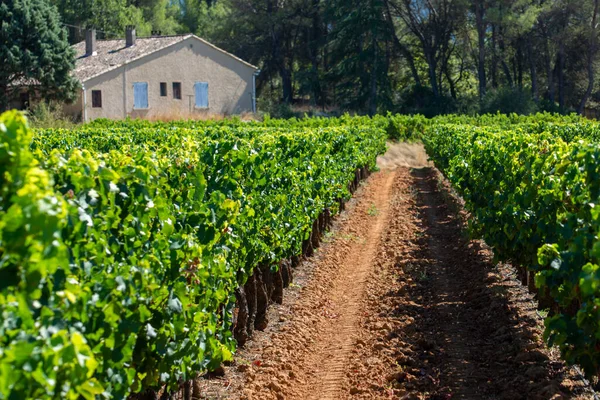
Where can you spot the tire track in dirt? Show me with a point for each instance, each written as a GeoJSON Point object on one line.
{"type": "Point", "coordinates": [332, 354]}
{"type": "Point", "coordinates": [455, 325]}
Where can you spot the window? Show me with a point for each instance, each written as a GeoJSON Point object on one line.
{"type": "Point", "coordinates": [163, 89]}
{"type": "Point", "coordinates": [96, 98]}
{"type": "Point", "coordinates": [201, 91]}
{"type": "Point", "coordinates": [140, 95]}
{"type": "Point", "coordinates": [24, 97]}
{"type": "Point", "coordinates": [177, 90]}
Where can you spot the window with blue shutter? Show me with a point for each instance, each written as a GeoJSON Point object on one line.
{"type": "Point", "coordinates": [201, 89]}
{"type": "Point", "coordinates": [140, 95]}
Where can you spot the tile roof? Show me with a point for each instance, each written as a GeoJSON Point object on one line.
{"type": "Point", "coordinates": [112, 54]}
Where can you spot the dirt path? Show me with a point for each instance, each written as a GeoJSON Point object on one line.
{"type": "Point", "coordinates": [398, 304]}
{"type": "Point", "coordinates": [331, 355]}
{"type": "Point", "coordinates": [473, 330]}
{"type": "Point", "coordinates": [309, 353]}
{"type": "Point", "coordinates": [445, 293]}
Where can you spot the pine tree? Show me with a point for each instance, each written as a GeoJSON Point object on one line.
{"type": "Point", "coordinates": [34, 50]}
{"type": "Point", "coordinates": [360, 46]}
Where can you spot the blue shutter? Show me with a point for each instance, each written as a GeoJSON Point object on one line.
{"type": "Point", "coordinates": [140, 95]}
{"type": "Point", "coordinates": [201, 89]}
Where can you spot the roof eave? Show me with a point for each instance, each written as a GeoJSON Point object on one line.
{"type": "Point", "coordinates": [185, 37]}
{"type": "Point", "coordinates": [134, 59]}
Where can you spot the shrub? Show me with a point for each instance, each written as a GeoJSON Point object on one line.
{"type": "Point", "coordinates": [418, 99]}
{"type": "Point", "coordinates": [49, 115]}
{"type": "Point", "coordinates": [508, 100]}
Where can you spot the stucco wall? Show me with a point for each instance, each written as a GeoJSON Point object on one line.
{"type": "Point", "coordinates": [74, 109]}
{"type": "Point", "coordinates": [188, 62]}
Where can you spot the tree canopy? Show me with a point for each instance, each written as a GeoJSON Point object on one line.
{"type": "Point", "coordinates": [34, 51]}
{"type": "Point", "coordinates": [427, 56]}
{"type": "Point", "coordinates": [431, 56]}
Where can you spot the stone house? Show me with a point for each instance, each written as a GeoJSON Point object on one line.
{"type": "Point", "coordinates": [159, 76]}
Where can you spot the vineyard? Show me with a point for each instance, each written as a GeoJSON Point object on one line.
{"type": "Point", "coordinates": [533, 191]}
{"type": "Point", "coordinates": [135, 255]}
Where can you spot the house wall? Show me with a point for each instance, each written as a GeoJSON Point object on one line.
{"type": "Point", "coordinates": [188, 62]}
{"type": "Point", "coordinates": [75, 109]}
{"type": "Point", "coordinates": [34, 97]}
{"type": "Point", "coordinates": [16, 102]}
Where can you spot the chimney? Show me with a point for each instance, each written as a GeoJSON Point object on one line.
{"type": "Point", "coordinates": [90, 42]}
{"type": "Point", "coordinates": [129, 35]}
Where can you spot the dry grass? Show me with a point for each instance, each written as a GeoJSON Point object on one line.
{"type": "Point", "coordinates": [308, 109]}
{"type": "Point", "coordinates": [410, 155]}
{"type": "Point", "coordinates": [177, 115]}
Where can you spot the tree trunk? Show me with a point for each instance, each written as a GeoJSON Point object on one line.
{"type": "Point", "coordinates": [411, 61]}
{"type": "Point", "coordinates": [3, 98]}
{"type": "Point", "coordinates": [590, 60]}
{"type": "Point", "coordinates": [481, 28]}
{"type": "Point", "coordinates": [503, 63]}
{"type": "Point", "coordinates": [373, 90]}
{"type": "Point", "coordinates": [399, 46]}
{"type": "Point", "coordinates": [507, 73]}
{"type": "Point", "coordinates": [313, 49]}
{"type": "Point", "coordinates": [286, 84]}
{"type": "Point", "coordinates": [560, 65]}
{"type": "Point", "coordinates": [277, 56]}
{"type": "Point", "coordinates": [520, 66]}
{"type": "Point", "coordinates": [450, 82]}
{"type": "Point", "coordinates": [532, 71]}
{"type": "Point", "coordinates": [494, 66]}
{"type": "Point", "coordinates": [432, 67]}
{"type": "Point", "coordinates": [445, 72]}
{"type": "Point", "coordinates": [550, 74]}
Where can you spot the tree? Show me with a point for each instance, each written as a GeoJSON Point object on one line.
{"type": "Point", "coordinates": [108, 17]}
{"type": "Point", "coordinates": [34, 50]}
{"type": "Point", "coordinates": [209, 20]}
{"type": "Point", "coordinates": [433, 23]}
{"type": "Point", "coordinates": [591, 55]}
{"type": "Point", "coordinates": [514, 22]}
{"type": "Point", "coordinates": [481, 25]}
{"type": "Point", "coordinates": [360, 49]}
{"type": "Point", "coordinates": [271, 34]}
{"type": "Point", "coordinates": [160, 15]}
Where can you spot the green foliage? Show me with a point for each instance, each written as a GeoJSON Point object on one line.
{"type": "Point", "coordinates": [49, 115]}
{"type": "Point", "coordinates": [359, 55]}
{"type": "Point", "coordinates": [122, 246]}
{"type": "Point", "coordinates": [418, 99]}
{"type": "Point", "coordinates": [110, 17]}
{"type": "Point", "coordinates": [34, 51]}
{"type": "Point", "coordinates": [161, 15]}
{"type": "Point", "coordinates": [533, 191]}
{"type": "Point", "coordinates": [508, 100]}
{"type": "Point", "coordinates": [36, 282]}
{"type": "Point", "coordinates": [207, 21]}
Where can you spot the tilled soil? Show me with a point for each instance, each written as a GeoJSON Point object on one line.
{"type": "Point", "coordinates": [398, 303]}
{"type": "Point", "coordinates": [444, 322]}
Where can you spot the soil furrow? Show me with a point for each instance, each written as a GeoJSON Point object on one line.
{"type": "Point", "coordinates": [447, 297]}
